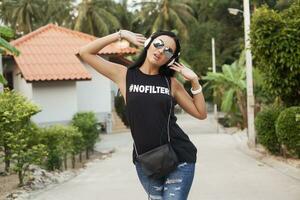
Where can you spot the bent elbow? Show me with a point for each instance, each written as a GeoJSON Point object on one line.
{"type": "Point", "coordinates": [202, 116]}
{"type": "Point", "coordinates": [80, 52]}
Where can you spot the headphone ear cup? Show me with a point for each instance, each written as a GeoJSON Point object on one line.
{"type": "Point", "coordinates": [173, 60]}
{"type": "Point", "coordinates": [147, 42]}
{"type": "Point", "coordinates": [171, 63]}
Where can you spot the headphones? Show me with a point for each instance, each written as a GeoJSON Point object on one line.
{"type": "Point", "coordinates": [147, 43]}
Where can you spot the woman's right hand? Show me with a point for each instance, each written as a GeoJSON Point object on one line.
{"type": "Point", "coordinates": [134, 38]}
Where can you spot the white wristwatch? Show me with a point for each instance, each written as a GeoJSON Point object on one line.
{"type": "Point", "coordinates": [196, 91]}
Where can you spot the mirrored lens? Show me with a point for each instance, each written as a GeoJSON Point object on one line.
{"type": "Point", "coordinates": [158, 43]}
{"type": "Point", "coordinates": [168, 53]}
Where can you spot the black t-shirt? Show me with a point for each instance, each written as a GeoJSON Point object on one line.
{"type": "Point", "coordinates": [147, 110]}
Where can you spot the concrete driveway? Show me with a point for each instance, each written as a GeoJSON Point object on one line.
{"type": "Point", "coordinates": [223, 171]}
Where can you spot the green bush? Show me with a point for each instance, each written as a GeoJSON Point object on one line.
{"type": "Point", "coordinates": [26, 149]}
{"type": "Point", "coordinates": [275, 46]}
{"type": "Point", "coordinates": [59, 140]}
{"type": "Point", "coordinates": [53, 139]}
{"type": "Point", "coordinates": [265, 128]}
{"type": "Point", "coordinates": [87, 124]}
{"type": "Point", "coordinates": [72, 142]}
{"type": "Point", "coordinates": [288, 129]}
{"type": "Point", "coordinates": [15, 113]}
{"type": "Point", "coordinates": [77, 146]}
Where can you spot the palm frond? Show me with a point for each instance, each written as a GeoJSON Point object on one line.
{"type": "Point", "coordinates": [178, 24]}
{"type": "Point", "coordinates": [2, 80]}
{"type": "Point", "coordinates": [227, 100]}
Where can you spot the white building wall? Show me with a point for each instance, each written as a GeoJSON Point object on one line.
{"type": "Point", "coordinates": [58, 100]}
{"type": "Point", "coordinates": [20, 85]}
{"type": "Point", "coordinates": [95, 95]}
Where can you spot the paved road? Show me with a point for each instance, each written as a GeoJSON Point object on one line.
{"type": "Point", "coordinates": [223, 172]}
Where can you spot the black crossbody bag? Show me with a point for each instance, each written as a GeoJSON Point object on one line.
{"type": "Point", "coordinates": [162, 160]}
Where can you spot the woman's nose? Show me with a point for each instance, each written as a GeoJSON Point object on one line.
{"type": "Point", "coordinates": [161, 50]}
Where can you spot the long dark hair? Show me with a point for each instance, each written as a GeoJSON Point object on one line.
{"type": "Point", "coordinates": [164, 69]}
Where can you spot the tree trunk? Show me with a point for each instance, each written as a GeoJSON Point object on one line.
{"type": "Point", "coordinates": [87, 153]}
{"type": "Point", "coordinates": [283, 150]}
{"type": "Point", "coordinates": [80, 157]}
{"type": "Point", "coordinates": [73, 160]}
{"type": "Point", "coordinates": [66, 161]}
{"type": "Point", "coordinates": [21, 177]}
{"type": "Point", "coordinates": [6, 158]}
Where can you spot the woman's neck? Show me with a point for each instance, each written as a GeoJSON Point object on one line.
{"type": "Point", "coordinates": [148, 68]}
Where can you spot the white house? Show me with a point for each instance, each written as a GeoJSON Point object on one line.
{"type": "Point", "coordinates": [49, 73]}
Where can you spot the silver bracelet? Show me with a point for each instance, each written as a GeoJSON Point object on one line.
{"type": "Point", "coordinates": [196, 91]}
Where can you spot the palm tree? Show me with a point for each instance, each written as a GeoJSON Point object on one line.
{"type": "Point", "coordinates": [5, 33]}
{"type": "Point", "coordinates": [59, 12]}
{"type": "Point", "coordinates": [166, 14]}
{"type": "Point", "coordinates": [94, 17]}
{"type": "Point", "coordinates": [230, 85]}
{"type": "Point", "coordinates": [22, 15]}
{"type": "Point", "coordinates": [124, 16]}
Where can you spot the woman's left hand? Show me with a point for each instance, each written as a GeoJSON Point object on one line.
{"type": "Point", "coordinates": [186, 72]}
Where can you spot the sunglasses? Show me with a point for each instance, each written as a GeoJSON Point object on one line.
{"type": "Point", "coordinates": [158, 43]}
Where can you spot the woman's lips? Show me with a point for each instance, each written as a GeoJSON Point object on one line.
{"type": "Point", "coordinates": [156, 57]}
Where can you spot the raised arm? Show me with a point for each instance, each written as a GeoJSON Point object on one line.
{"type": "Point", "coordinates": [111, 70]}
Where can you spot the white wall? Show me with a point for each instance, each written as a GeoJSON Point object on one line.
{"type": "Point", "coordinates": [94, 95]}
{"type": "Point", "coordinates": [20, 85]}
{"type": "Point", "coordinates": [58, 100]}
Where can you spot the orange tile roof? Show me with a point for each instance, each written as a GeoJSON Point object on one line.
{"type": "Point", "coordinates": [48, 53]}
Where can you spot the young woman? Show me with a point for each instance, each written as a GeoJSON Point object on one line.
{"type": "Point", "coordinates": [148, 96]}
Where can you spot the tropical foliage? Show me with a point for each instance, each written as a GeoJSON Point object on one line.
{"type": "Point", "coordinates": [5, 34]}
{"type": "Point", "coordinates": [23, 143]}
{"type": "Point", "coordinates": [276, 53]}
{"type": "Point", "coordinates": [17, 138]}
{"type": "Point", "coordinates": [167, 15]}
{"type": "Point", "coordinates": [288, 129]}
{"type": "Point", "coordinates": [229, 87]}
{"type": "Point", "coordinates": [96, 18]}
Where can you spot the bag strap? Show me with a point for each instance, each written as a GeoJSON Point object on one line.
{"type": "Point", "coordinates": [169, 139]}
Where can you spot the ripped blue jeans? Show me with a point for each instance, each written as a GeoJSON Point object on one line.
{"type": "Point", "coordinates": [175, 186]}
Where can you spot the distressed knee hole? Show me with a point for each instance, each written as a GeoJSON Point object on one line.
{"type": "Point", "coordinates": [172, 194]}
{"type": "Point", "coordinates": [170, 181]}
{"type": "Point", "coordinates": [177, 188]}
{"type": "Point", "coordinates": [158, 188]}
{"type": "Point", "coordinates": [182, 164]}
{"type": "Point", "coordinates": [155, 197]}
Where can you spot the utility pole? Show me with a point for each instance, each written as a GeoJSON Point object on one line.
{"type": "Point", "coordinates": [250, 96]}
{"type": "Point", "coordinates": [249, 76]}
{"type": "Point", "coordinates": [214, 71]}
